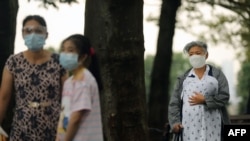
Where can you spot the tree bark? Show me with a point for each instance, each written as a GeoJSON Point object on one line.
{"type": "Point", "coordinates": [159, 90]}
{"type": "Point", "coordinates": [115, 28]}
{"type": "Point", "coordinates": [8, 15]}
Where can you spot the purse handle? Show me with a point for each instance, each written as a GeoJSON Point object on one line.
{"type": "Point", "coordinates": [178, 136]}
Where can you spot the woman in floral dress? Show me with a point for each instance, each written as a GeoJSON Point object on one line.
{"type": "Point", "coordinates": [35, 78]}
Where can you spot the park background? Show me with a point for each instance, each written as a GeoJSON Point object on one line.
{"type": "Point", "coordinates": [68, 19]}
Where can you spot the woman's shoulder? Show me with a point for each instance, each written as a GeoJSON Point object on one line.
{"type": "Point", "coordinates": [88, 77]}
{"type": "Point", "coordinates": [88, 74]}
{"type": "Point", "coordinates": [54, 54]}
{"type": "Point", "coordinates": [216, 72]}
{"type": "Point", "coordinates": [214, 69]}
{"type": "Point", "coordinates": [15, 57]}
{"type": "Point", "coordinates": [55, 57]}
{"type": "Point", "coordinates": [185, 74]}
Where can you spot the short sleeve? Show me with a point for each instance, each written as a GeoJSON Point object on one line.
{"type": "Point", "coordinates": [81, 99]}
{"type": "Point", "coordinates": [10, 63]}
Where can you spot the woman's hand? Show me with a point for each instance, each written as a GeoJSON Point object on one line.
{"type": "Point", "coordinates": [177, 127]}
{"type": "Point", "coordinates": [196, 99]}
{"type": "Point", "coordinates": [57, 138]}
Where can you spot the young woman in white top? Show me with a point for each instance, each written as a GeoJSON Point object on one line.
{"type": "Point", "coordinates": [80, 119]}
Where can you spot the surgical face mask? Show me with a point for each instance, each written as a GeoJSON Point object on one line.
{"type": "Point", "coordinates": [34, 42]}
{"type": "Point", "coordinates": [197, 61]}
{"type": "Point", "coordinates": [69, 61]}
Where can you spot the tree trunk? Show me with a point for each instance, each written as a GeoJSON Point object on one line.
{"type": "Point", "coordinates": [115, 28]}
{"type": "Point", "coordinates": [159, 90]}
{"type": "Point", "coordinates": [8, 15]}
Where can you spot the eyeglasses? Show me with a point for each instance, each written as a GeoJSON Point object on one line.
{"type": "Point", "coordinates": [32, 29]}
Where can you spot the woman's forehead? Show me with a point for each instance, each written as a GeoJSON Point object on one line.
{"type": "Point", "coordinates": [32, 22]}
{"type": "Point", "coordinates": [196, 48]}
{"type": "Point", "coordinates": [68, 44]}
{"type": "Point", "coordinates": [32, 27]}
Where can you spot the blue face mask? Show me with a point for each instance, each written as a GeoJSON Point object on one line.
{"type": "Point", "coordinates": [34, 42]}
{"type": "Point", "coordinates": [69, 61]}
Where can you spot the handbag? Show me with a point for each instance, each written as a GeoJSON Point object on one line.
{"type": "Point", "coordinates": [178, 136]}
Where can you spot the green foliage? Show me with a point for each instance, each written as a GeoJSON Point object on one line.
{"type": "Point", "coordinates": [52, 49]}
{"type": "Point", "coordinates": [148, 65]}
{"type": "Point", "coordinates": [214, 24]}
{"type": "Point", "coordinates": [179, 65]}
{"type": "Point", "coordinates": [217, 21]}
{"type": "Point", "coordinates": [243, 85]}
{"type": "Point", "coordinates": [46, 3]}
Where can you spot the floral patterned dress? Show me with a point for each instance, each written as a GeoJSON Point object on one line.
{"type": "Point", "coordinates": [199, 122]}
{"type": "Point", "coordinates": [37, 96]}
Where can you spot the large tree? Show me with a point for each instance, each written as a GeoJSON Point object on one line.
{"type": "Point", "coordinates": [115, 28]}
{"type": "Point", "coordinates": [8, 14]}
{"type": "Point", "coordinates": [160, 77]}
{"type": "Point", "coordinates": [179, 65]}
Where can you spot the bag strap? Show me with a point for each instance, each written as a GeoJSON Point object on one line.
{"type": "Point", "coordinates": [178, 136]}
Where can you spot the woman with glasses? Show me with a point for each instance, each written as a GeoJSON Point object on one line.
{"type": "Point", "coordinates": [34, 78]}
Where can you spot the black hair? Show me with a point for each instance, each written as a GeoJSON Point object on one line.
{"type": "Point", "coordinates": [84, 47]}
{"type": "Point", "coordinates": [37, 18]}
